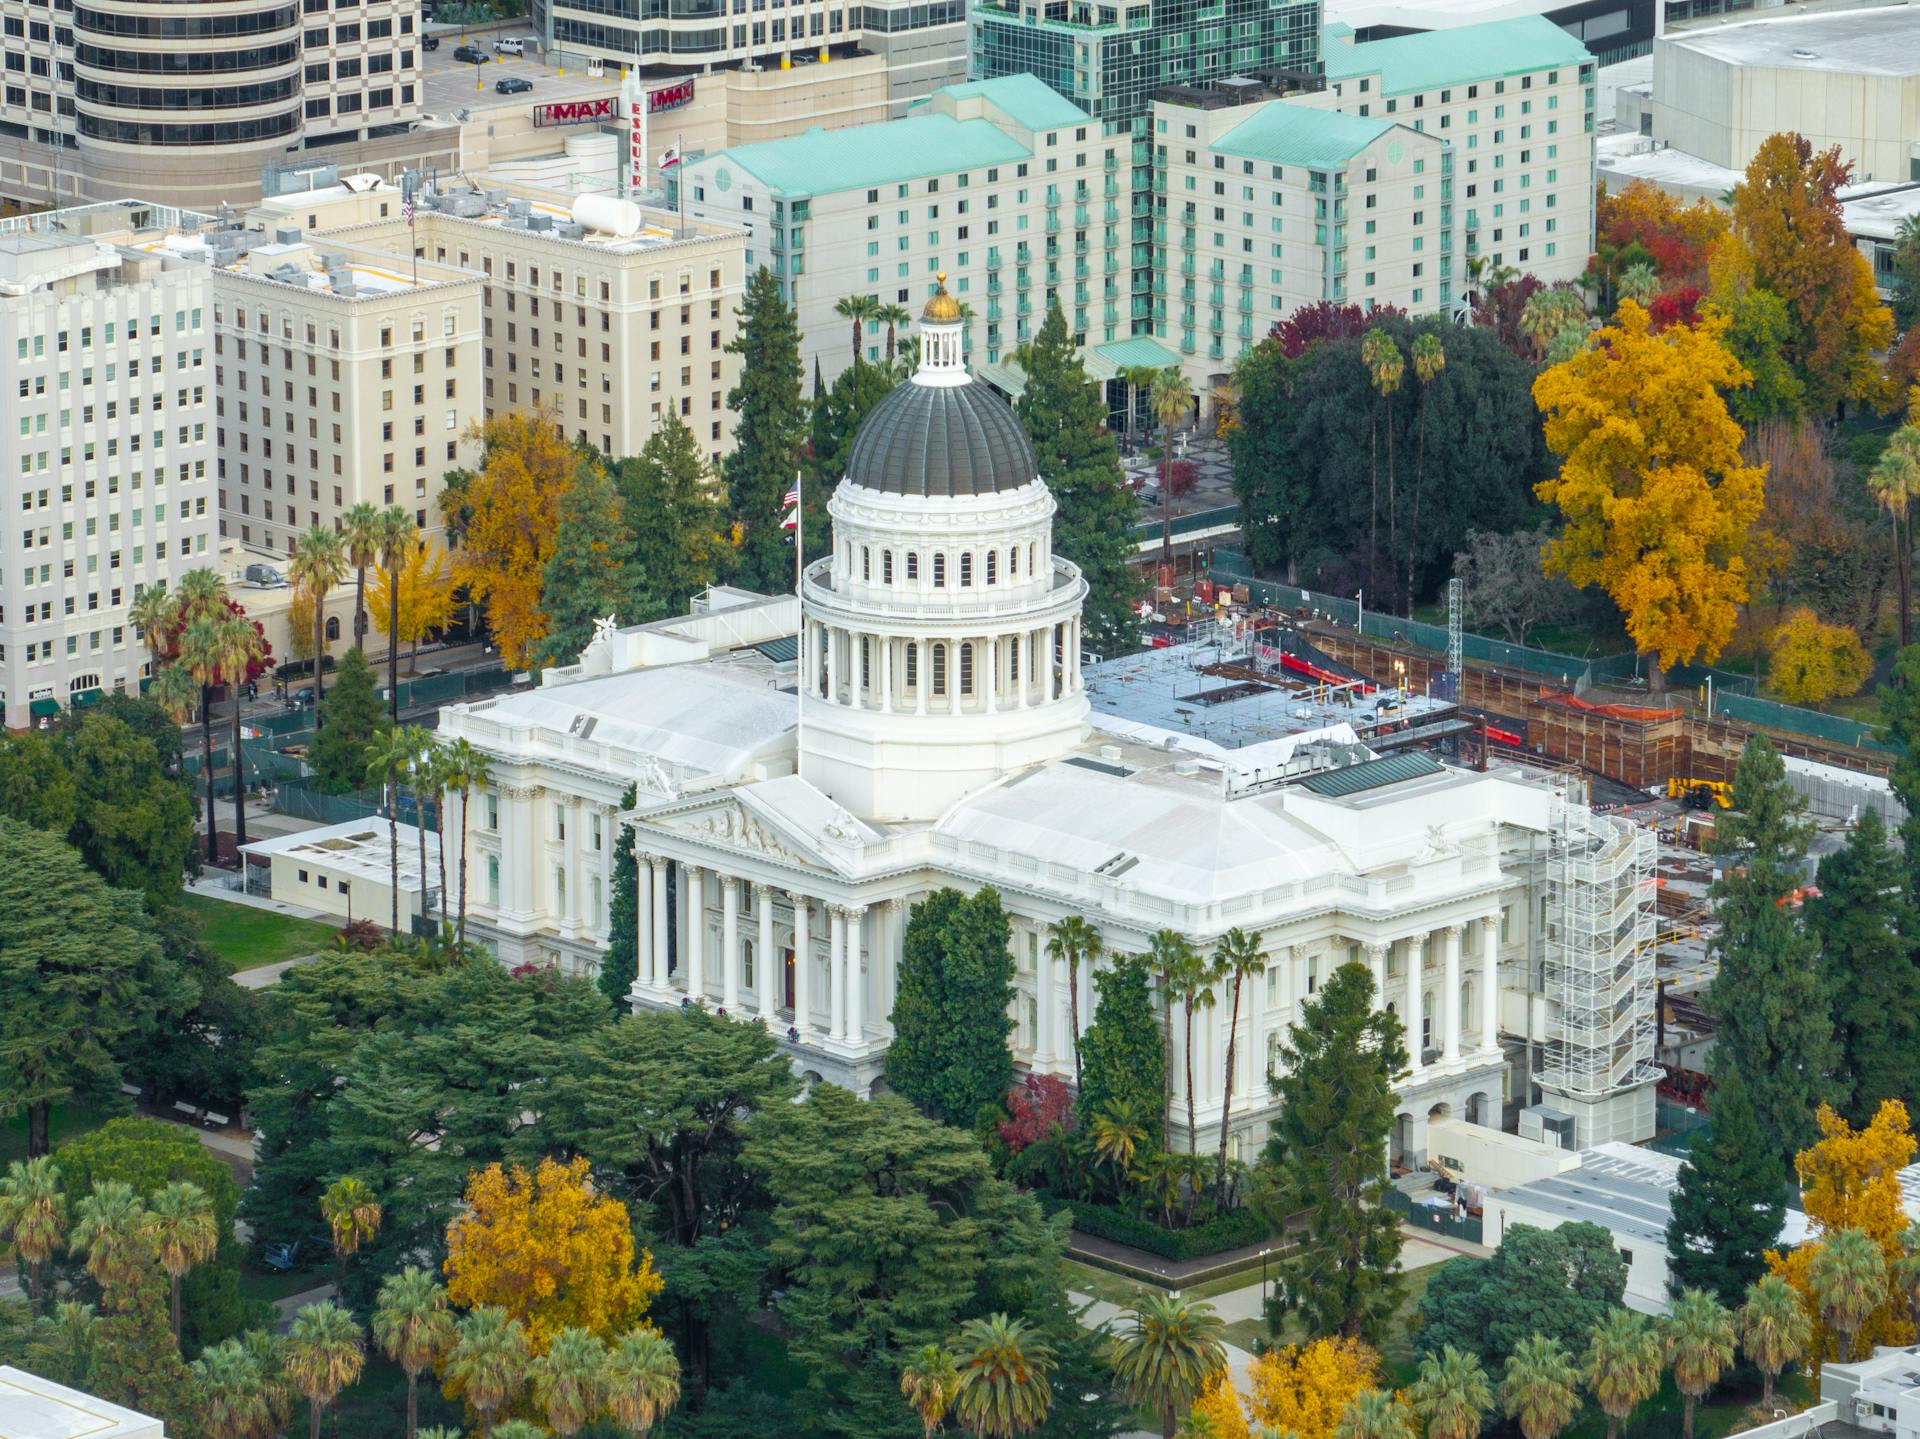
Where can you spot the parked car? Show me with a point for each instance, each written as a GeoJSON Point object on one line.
{"type": "Point", "coordinates": [509, 45]}
{"type": "Point", "coordinates": [512, 85]}
{"type": "Point", "coordinates": [468, 55]}
{"type": "Point", "coordinates": [429, 42]}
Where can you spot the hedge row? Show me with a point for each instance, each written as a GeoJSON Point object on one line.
{"type": "Point", "coordinates": [1109, 1221]}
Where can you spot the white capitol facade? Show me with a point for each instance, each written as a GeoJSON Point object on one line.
{"type": "Point", "coordinates": [808, 768]}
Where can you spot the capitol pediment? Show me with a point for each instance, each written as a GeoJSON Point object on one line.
{"type": "Point", "coordinates": [745, 822]}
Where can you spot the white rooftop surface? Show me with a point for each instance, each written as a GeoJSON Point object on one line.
{"type": "Point", "coordinates": [1878, 215]}
{"type": "Point", "coordinates": [361, 847]}
{"type": "Point", "coordinates": [647, 234]}
{"type": "Point", "coordinates": [36, 1408]}
{"type": "Point", "coordinates": [1430, 14]}
{"type": "Point", "coordinates": [1624, 158]}
{"type": "Point", "coordinates": [261, 260]}
{"type": "Point", "coordinates": [1881, 41]}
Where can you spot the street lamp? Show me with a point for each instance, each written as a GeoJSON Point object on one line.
{"type": "Point", "coordinates": [1263, 1278]}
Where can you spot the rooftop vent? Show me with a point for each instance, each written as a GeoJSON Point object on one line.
{"type": "Point", "coordinates": [286, 235]}
{"type": "Point", "coordinates": [519, 209]}
{"type": "Point", "coordinates": [1110, 752]}
{"type": "Point", "coordinates": [496, 197]}
{"type": "Point", "coordinates": [1186, 767]}
{"type": "Point", "coordinates": [1805, 55]}
{"type": "Point", "coordinates": [568, 230]}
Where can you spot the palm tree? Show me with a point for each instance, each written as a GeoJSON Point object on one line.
{"type": "Point", "coordinates": [466, 768]}
{"type": "Point", "coordinates": [230, 1377]}
{"type": "Point", "coordinates": [421, 777]}
{"type": "Point", "coordinates": [1003, 1378]}
{"type": "Point", "coordinates": [1699, 1344]}
{"type": "Point", "coordinates": [33, 1217]}
{"type": "Point", "coordinates": [1171, 954]}
{"type": "Point", "coordinates": [1429, 360]}
{"type": "Point", "coordinates": [967, 316]}
{"type": "Point", "coordinates": [324, 1354]}
{"type": "Point", "coordinates": [643, 1379]}
{"type": "Point", "coordinates": [1235, 957]}
{"type": "Point", "coordinates": [396, 532]}
{"type": "Point", "coordinates": [319, 563]}
{"type": "Point", "coordinates": [1894, 482]}
{"type": "Point", "coordinates": [269, 1352]}
{"type": "Point", "coordinates": [488, 1361]}
{"type": "Point", "coordinates": [110, 1228]}
{"type": "Point", "coordinates": [237, 648]}
{"type": "Point", "coordinates": [1159, 1177]}
{"type": "Point", "coordinates": [1848, 1277]}
{"type": "Point", "coordinates": [1639, 282]}
{"type": "Point", "coordinates": [1623, 1365]}
{"type": "Point", "coordinates": [1172, 401]}
{"type": "Point", "coordinates": [1774, 1329]}
{"type": "Point", "coordinates": [440, 777]}
{"type": "Point", "coordinates": [1117, 1136]}
{"type": "Point", "coordinates": [569, 1379]}
{"type": "Point", "coordinates": [1538, 1389]}
{"type": "Point", "coordinates": [1452, 1395]}
{"type": "Point", "coordinates": [1906, 1268]}
{"type": "Point", "coordinates": [1193, 985]}
{"type": "Point", "coordinates": [183, 1232]}
{"type": "Point", "coordinates": [359, 538]}
{"type": "Point", "coordinates": [175, 692]}
{"type": "Point", "coordinates": [519, 1429]}
{"type": "Point", "coordinates": [1168, 1354]}
{"type": "Point", "coordinates": [414, 1327]}
{"type": "Point", "coordinates": [858, 309]}
{"type": "Point", "coordinates": [152, 614]}
{"type": "Point", "coordinates": [1374, 1414]}
{"type": "Point", "coordinates": [929, 1383]}
{"type": "Point", "coordinates": [200, 653]}
{"type": "Point", "coordinates": [893, 317]}
{"type": "Point", "coordinates": [1385, 368]}
{"type": "Point", "coordinates": [1068, 942]}
{"type": "Point", "coordinates": [390, 759]}
{"type": "Point", "coordinates": [1138, 378]}
{"type": "Point", "coordinates": [353, 1217]}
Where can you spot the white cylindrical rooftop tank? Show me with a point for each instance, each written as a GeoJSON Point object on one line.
{"type": "Point", "coordinates": [602, 212]}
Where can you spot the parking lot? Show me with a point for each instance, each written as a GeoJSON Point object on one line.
{"type": "Point", "coordinates": [451, 85]}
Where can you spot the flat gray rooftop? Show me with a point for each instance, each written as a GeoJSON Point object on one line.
{"type": "Point", "coordinates": [1881, 41]}
{"type": "Point", "coordinates": [1623, 1195]}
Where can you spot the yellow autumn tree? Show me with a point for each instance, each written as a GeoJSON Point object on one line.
{"type": "Point", "coordinates": [506, 515]}
{"type": "Point", "coordinates": [549, 1249]}
{"type": "Point", "coordinates": [1812, 661]}
{"type": "Point", "coordinates": [300, 625]}
{"type": "Point", "coordinates": [426, 593]}
{"type": "Point", "coordinates": [1304, 1390]}
{"type": "Point", "coordinates": [1850, 1179]}
{"type": "Point", "coordinates": [1657, 501]}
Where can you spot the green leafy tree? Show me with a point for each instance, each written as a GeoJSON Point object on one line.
{"type": "Point", "coordinates": [1905, 297]}
{"type": "Point", "coordinates": [1080, 460]}
{"type": "Point", "coordinates": [1166, 1354]}
{"type": "Point", "coordinates": [1558, 1283]}
{"type": "Point", "coordinates": [769, 426]}
{"type": "Point", "coordinates": [1540, 1390]}
{"type": "Point", "coordinates": [1123, 1058]}
{"type": "Point", "coordinates": [350, 718]}
{"type": "Point", "coordinates": [1726, 1209]}
{"type": "Point", "coordinates": [950, 1014]}
{"type": "Point", "coordinates": [133, 822]}
{"type": "Point", "coordinates": [620, 965]}
{"type": "Point", "coordinates": [675, 516]}
{"type": "Point", "coordinates": [1003, 1390]}
{"type": "Point", "coordinates": [1761, 326]}
{"type": "Point", "coordinates": [1699, 1340]}
{"type": "Point", "coordinates": [1327, 1158]}
{"type": "Point", "coordinates": [1452, 1395]}
{"type": "Point", "coordinates": [1774, 1330]}
{"type": "Point", "coordinates": [1623, 1365]}
{"type": "Point", "coordinates": [35, 787]}
{"type": "Point", "coordinates": [134, 1362]}
{"type": "Point", "coordinates": [71, 955]}
{"type": "Point", "coordinates": [1769, 998]}
{"type": "Point", "coordinates": [838, 412]}
{"type": "Point", "coordinates": [1848, 1277]}
{"type": "Point", "coordinates": [1863, 926]}
{"type": "Point", "coordinates": [591, 572]}
{"type": "Point", "coordinates": [325, 1352]}
{"type": "Point", "coordinates": [413, 1326]}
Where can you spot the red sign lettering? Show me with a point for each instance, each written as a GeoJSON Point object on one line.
{"type": "Point", "coordinates": [574, 112]}
{"type": "Point", "coordinates": [672, 97]}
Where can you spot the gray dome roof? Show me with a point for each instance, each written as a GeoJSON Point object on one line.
{"type": "Point", "coordinates": [942, 440]}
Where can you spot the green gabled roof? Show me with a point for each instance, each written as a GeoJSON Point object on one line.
{"type": "Point", "coordinates": [1436, 59]}
{"type": "Point", "coordinates": [826, 162]}
{"type": "Point", "coordinates": [1281, 133]}
{"type": "Point", "coordinates": [1027, 99]}
{"type": "Point", "coordinates": [1358, 778]}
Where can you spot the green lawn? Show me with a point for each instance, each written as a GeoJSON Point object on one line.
{"type": "Point", "coordinates": [245, 937]}
{"type": "Point", "coordinates": [64, 1122]}
{"type": "Point", "coordinates": [271, 1286]}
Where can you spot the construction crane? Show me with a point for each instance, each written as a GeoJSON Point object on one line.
{"type": "Point", "coordinates": [1701, 793]}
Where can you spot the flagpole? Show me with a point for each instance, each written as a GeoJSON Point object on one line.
{"type": "Point", "coordinates": [680, 190]}
{"type": "Point", "coordinates": [805, 669]}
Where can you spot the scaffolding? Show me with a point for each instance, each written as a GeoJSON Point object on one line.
{"type": "Point", "coordinates": [1598, 974]}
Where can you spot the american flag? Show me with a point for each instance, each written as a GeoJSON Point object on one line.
{"type": "Point", "coordinates": [792, 497]}
{"type": "Point", "coordinates": [406, 209]}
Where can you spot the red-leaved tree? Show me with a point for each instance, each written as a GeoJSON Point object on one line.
{"type": "Point", "coordinates": [1036, 1107]}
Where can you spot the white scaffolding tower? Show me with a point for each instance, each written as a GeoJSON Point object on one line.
{"type": "Point", "coordinates": [1599, 969]}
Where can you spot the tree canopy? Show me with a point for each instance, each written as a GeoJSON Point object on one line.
{"type": "Point", "coordinates": [949, 1054]}
{"type": "Point", "coordinates": [1556, 1283]}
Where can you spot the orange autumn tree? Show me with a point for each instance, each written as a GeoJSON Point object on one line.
{"type": "Point", "coordinates": [1677, 237]}
{"type": "Point", "coordinates": [1850, 1179]}
{"type": "Point", "coordinates": [550, 1250]}
{"type": "Point", "coordinates": [1658, 502]}
{"type": "Point", "coordinates": [506, 515]}
{"type": "Point", "coordinates": [1297, 1390]}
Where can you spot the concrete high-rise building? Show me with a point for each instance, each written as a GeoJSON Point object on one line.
{"type": "Point", "coordinates": [106, 362]}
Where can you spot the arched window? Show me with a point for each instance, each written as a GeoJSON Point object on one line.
{"type": "Point", "coordinates": [966, 570]}
{"type": "Point", "coordinates": [913, 566]}
{"type": "Point", "coordinates": [333, 627]}
{"type": "Point", "coordinates": [866, 563]}
{"type": "Point", "coordinates": [939, 669]}
{"type": "Point", "coordinates": [993, 566]}
{"type": "Point", "coordinates": [1013, 562]}
{"type": "Point", "coordinates": [966, 668]}
{"type": "Point", "coordinates": [939, 572]}
{"type": "Point", "coordinates": [886, 567]}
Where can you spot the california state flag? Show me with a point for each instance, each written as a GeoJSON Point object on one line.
{"type": "Point", "coordinates": [670, 158]}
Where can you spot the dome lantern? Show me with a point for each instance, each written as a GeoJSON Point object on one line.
{"type": "Point", "coordinates": [942, 357]}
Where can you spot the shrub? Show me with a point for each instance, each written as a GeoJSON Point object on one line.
{"type": "Point", "coordinates": [1109, 1221]}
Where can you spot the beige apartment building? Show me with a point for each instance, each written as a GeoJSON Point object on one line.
{"type": "Point", "coordinates": [603, 312]}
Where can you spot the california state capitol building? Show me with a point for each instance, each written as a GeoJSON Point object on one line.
{"type": "Point", "coordinates": [922, 714]}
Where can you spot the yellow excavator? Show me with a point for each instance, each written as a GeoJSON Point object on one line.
{"type": "Point", "coordinates": [1701, 793]}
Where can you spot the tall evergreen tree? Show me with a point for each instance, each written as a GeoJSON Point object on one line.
{"type": "Point", "coordinates": [837, 416]}
{"type": "Point", "coordinates": [769, 427]}
{"type": "Point", "coordinates": [1726, 1210]}
{"type": "Point", "coordinates": [1900, 704]}
{"type": "Point", "coordinates": [1327, 1157]}
{"type": "Point", "coordinates": [950, 1021]}
{"type": "Point", "coordinates": [1863, 925]}
{"type": "Point", "coordinates": [620, 965]}
{"type": "Point", "coordinates": [676, 518]}
{"type": "Point", "coordinates": [591, 572]}
{"type": "Point", "coordinates": [350, 716]}
{"type": "Point", "coordinates": [1079, 459]}
{"type": "Point", "coordinates": [1123, 1064]}
{"type": "Point", "coordinates": [1772, 1010]}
